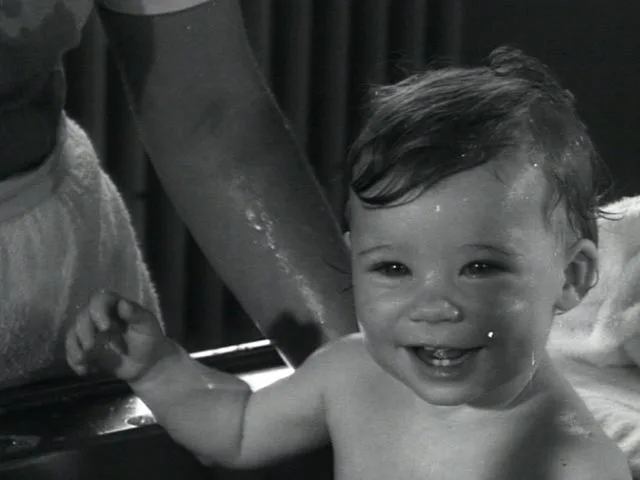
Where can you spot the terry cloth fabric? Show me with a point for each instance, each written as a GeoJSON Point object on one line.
{"type": "Point", "coordinates": [64, 234]}
{"type": "Point", "coordinates": [603, 329]}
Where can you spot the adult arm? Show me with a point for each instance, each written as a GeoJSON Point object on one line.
{"type": "Point", "coordinates": [223, 152]}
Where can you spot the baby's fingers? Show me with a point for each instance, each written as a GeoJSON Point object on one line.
{"type": "Point", "coordinates": [102, 310]}
{"type": "Point", "coordinates": [112, 312]}
{"type": "Point", "coordinates": [134, 315]}
{"type": "Point", "coordinates": [76, 355]}
{"type": "Point", "coordinates": [86, 330]}
{"type": "Point", "coordinates": [138, 320]}
{"type": "Point", "coordinates": [125, 310]}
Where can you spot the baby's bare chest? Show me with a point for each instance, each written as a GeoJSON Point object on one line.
{"type": "Point", "coordinates": [417, 451]}
{"type": "Point", "coordinates": [397, 438]}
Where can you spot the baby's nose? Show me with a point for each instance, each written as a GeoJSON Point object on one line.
{"type": "Point", "coordinates": [436, 311]}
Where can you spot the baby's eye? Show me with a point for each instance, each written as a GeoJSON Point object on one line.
{"type": "Point", "coordinates": [482, 269]}
{"type": "Point", "coordinates": [391, 269]}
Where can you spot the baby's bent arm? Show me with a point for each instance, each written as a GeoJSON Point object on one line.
{"type": "Point", "coordinates": [217, 417]}
{"type": "Point", "coordinates": [289, 416]}
{"type": "Point", "coordinates": [202, 409]}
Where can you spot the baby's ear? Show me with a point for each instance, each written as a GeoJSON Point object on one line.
{"type": "Point", "coordinates": [580, 274]}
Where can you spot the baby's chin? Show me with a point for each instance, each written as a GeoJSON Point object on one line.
{"type": "Point", "coordinates": [486, 393]}
{"type": "Point", "coordinates": [455, 394]}
{"type": "Point", "coordinates": [482, 387]}
{"type": "Point", "coordinates": [449, 396]}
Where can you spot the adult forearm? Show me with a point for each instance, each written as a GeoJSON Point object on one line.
{"type": "Point", "coordinates": [181, 68]}
{"type": "Point", "coordinates": [234, 173]}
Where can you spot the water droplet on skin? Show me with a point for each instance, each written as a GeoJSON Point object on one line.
{"type": "Point", "coordinates": [253, 220]}
{"type": "Point", "coordinates": [533, 359]}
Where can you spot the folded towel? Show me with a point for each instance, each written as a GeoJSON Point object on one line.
{"type": "Point", "coordinates": [64, 233]}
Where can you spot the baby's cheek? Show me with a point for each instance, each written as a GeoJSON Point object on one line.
{"type": "Point", "coordinates": [509, 316]}
{"type": "Point", "coordinates": [516, 338]}
{"type": "Point", "coordinates": [514, 313]}
{"type": "Point", "coordinates": [498, 298]}
{"type": "Point", "coordinates": [528, 329]}
{"type": "Point", "coordinates": [376, 315]}
{"type": "Point", "coordinates": [514, 306]}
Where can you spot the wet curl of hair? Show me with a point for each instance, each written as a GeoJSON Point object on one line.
{"type": "Point", "coordinates": [435, 124]}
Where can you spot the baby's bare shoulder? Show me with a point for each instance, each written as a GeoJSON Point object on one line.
{"type": "Point", "coordinates": [345, 356]}
{"type": "Point", "coordinates": [586, 451]}
{"type": "Point", "coordinates": [555, 444]}
{"type": "Point", "coordinates": [583, 451]}
{"type": "Point", "coordinates": [591, 458]}
{"type": "Point", "coordinates": [345, 365]}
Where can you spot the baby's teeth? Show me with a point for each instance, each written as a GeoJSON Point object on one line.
{"type": "Point", "coordinates": [443, 357]}
{"type": "Point", "coordinates": [440, 353]}
{"type": "Point", "coordinates": [443, 362]}
{"type": "Point", "coordinates": [445, 353]}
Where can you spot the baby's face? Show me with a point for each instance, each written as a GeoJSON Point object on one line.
{"type": "Point", "coordinates": [455, 292]}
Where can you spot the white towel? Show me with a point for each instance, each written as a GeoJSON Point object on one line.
{"type": "Point", "coordinates": [64, 233]}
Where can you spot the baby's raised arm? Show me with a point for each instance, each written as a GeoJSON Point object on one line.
{"type": "Point", "coordinates": [213, 414]}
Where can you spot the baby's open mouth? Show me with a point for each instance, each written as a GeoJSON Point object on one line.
{"type": "Point", "coordinates": [443, 356]}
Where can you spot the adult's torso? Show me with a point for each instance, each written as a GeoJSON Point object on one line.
{"type": "Point", "coordinates": [34, 34]}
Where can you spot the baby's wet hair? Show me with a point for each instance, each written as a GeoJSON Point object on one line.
{"type": "Point", "coordinates": [435, 124]}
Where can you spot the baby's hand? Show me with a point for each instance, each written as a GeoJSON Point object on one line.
{"type": "Point", "coordinates": [116, 336]}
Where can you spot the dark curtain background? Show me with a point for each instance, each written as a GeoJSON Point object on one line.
{"type": "Point", "coordinates": [319, 57]}
{"type": "Point", "coordinates": [593, 46]}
